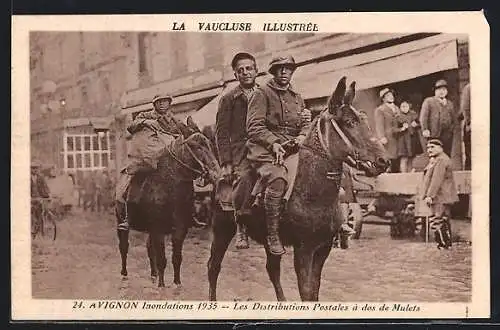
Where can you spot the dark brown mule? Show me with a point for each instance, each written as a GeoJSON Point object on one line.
{"type": "Point", "coordinates": [312, 216]}
{"type": "Point", "coordinates": [166, 204]}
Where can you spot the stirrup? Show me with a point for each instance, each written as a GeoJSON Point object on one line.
{"type": "Point", "coordinates": [275, 246]}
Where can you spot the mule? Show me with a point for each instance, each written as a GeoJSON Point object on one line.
{"type": "Point", "coordinates": [166, 202]}
{"type": "Point", "coordinates": [311, 214]}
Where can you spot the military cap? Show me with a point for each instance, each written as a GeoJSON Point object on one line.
{"type": "Point", "coordinates": [282, 60]}
{"type": "Point", "coordinates": [241, 56]}
{"type": "Point", "coordinates": [162, 97]}
{"type": "Point", "coordinates": [436, 142]}
{"type": "Point", "coordinates": [440, 83]}
{"type": "Point", "coordinates": [384, 91]}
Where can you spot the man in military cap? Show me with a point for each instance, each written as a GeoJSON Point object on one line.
{"type": "Point", "coordinates": [231, 136]}
{"type": "Point", "coordinates": [159, 119]}
{"type": "Point", "coordinates": [437, 116]}
{"type": "Point", "coordinates": [276, 114]}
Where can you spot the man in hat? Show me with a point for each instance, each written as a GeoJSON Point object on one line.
{"type": "Point", "coordinates": [231, 136]}
{"type": "Point", "coordinates": [439, 191]}
{"type": "Point", "coordinates": [133, 178]}
{"type": "Point", "coordinates": [386, 126]}
{"type": "Point", "coordinates": [276, 114]}
{"type": "Point", "coordinates": [437, 116]}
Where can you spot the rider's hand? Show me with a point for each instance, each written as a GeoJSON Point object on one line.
{"type": "Point", "coordinates": [428, 200]}
{"type": "Point", "coordinates": [383, 140]}
{"type": "Point", "coordinates": [426, 133]}
{"type": "Point", "coordinates": [279, 152]}
{"type": "Point", "coordinates": [300, 139]}
{"type": "Point", "coordinates": [414, 124]}
{"type": "Point", "coordinates": [227, 171]}
{"type": "Point", "coordinates": [306, 115]}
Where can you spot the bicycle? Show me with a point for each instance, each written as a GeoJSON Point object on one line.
{"type": "Point", "coordinates": [43, 220]}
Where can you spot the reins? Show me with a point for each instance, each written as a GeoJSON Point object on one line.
{"type": "Point", "coordinates": [187, 166]}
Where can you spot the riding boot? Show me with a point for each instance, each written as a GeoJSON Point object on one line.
{"type": "Point", "coordinates": [241, 236]}
{"type": "Point", "coordinates": [272, 204]}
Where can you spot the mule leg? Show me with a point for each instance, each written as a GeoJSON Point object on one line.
{"type": "Point", "coordinates": [123, 246]}
{"type": "Point", "coordinates": [122, 234]}
{"type": "Point", "coordinates": [223, 229]}
{"type": "Point", "coordinates": [152, 260]}
{"type": "Point", "coordinates": [273, 267]}
{"type": "Point", "coordinates": [303, 263]}
{"type": "Point", "coordinates": [158, 247]}
{"type": "Point", "coordinates": [178, 237]}
{"type": "Point", "coordinates": [318, 262]}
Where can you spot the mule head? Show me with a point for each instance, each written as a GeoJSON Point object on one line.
{"type": "Point", "coordinates": [348, 135]}
{"type": "Point", "coordinates": [204, 158]}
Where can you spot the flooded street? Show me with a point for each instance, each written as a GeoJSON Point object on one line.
{"type": "Point", "coordinates": [84, 263]}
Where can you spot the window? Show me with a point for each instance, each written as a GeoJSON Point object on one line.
{"type": "Point", "coordinates": [86, 151]}
{"type": "Point", "coordinates": [85, 95]}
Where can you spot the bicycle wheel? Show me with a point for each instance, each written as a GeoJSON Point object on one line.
{"type": "Point", "coordinates": [49, 229]}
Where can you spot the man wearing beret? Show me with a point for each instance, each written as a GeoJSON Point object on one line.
{"type": "Point", "coordinates": [439, 189]}
{"type": "Point", "coordinates": [386, 126]}
{"type": "Point", "coordinates": [231, 137]}
{"type": "Point", "coordinates": [276, 114]}
{"type": "Point", "coordinates": [437, 116]}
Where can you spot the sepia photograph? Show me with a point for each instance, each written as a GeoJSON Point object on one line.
{"type": "Point", "coordinates": [249, 168]}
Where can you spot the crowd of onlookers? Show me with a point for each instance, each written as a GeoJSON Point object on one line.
{"type": "Point", "coordinates": [404, 131]}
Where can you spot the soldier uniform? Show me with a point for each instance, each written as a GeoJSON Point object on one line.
{"type": "Point", "coordinates": [165, 123]}
{"type": "Point", "coordinates": [231, 137]}
{"type": "Point", "coordinates": [274, 116]}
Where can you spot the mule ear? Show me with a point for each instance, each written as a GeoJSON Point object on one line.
{"type": "Point", "coordinates": [337, 96]}
{"type": "Point", "coordinates": [349, 96]}
{"type": "Point", "coordinates": [191, 124]}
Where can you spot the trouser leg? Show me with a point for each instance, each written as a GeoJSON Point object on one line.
{"type": "Point", "coordinates": [273, 204]}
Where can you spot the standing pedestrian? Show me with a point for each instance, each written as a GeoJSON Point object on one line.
{"type": "Point", "coordinates": [386, 126]}
{"type": "Point", "coordinates": [408, 140]}
{"type": "Point", "coordinates": [437, 116]}
{"type": "Point", "coordinates": [465, 114]}
{"type": "Point", "coordinates": [439, 191]}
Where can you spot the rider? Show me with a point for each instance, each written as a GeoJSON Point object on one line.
{"type": "Point", "coordinates": [160, 113]}
{"type": "Point", "coordinates": [231, 137]}
{"type": "Point", "coordinates": [276, 114]}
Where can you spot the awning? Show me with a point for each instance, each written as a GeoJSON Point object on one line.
{"type": "Point", "coordinates": [178, 103]}
{"type": "Point", "coordinates": [101, 123]}
{"type": "Point", "coordinates": [380, 67]}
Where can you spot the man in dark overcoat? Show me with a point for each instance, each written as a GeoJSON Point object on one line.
{"type": "Point", "coordinates": [276, 114]}
{"type": "Point", "coordinates": [437, 116]}
{"type": "Point", "coordinates": [386, 126]}
{"type": "Point", "coordinates": [231, 138]}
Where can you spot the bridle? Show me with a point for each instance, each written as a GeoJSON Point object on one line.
{"type": "Point", "coordinates": [203, 172]}
{"type": "Point", "coordinates": [325, 144]}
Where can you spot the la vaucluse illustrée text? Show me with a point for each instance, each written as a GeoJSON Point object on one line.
{"type": "Point", "coordinates": [248, 305]}
{"type": "Point", "coordinates": [246, 27]}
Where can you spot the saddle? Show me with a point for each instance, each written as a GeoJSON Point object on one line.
{"type": "Point", "coordinates": [224, 189]}
{"type": "Point", "coordinates": [130, 187]}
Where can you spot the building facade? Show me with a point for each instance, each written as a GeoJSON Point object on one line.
{"type": "Point", "coordinates": [195, 69]}
{"type": "Point", "coordinates": [76, 82]}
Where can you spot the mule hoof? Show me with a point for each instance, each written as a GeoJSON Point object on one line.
{"type": "Point", "coordinates": [124, 277]}
{"type": "Point", "coordinates": [154, 279]}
